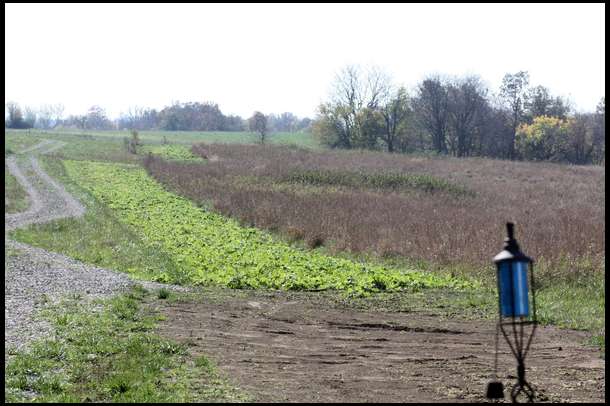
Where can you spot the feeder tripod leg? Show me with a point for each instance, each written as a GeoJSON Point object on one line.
{"type": "Point", "coordinates": [522, 385]}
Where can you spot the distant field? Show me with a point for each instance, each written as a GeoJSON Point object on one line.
{"type": "Point", "coordinates": [180, 137]}
{"type": "Point", "coordinates": [108, 146]}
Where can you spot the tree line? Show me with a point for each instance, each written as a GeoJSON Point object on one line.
{"type": "Point", "coordinates": [192, 116]}
{"type": "Point", "coordinates": [458, 116]}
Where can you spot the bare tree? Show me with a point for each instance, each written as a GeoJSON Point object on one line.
{"type": "Point", "coordinates": [79, 120]}
{"type": "Point", "coordinates": [513, 91]}
{"type": "Point", "coordinates": [30, 117]}
{"type": "Point", "coordinates": [539, 102]}
{"type": "Point", "coordinates": [58, 113]}
{"type": "Point", "coordinates": [346, 101]}
{"type": "Point", "coordinates": [599, 132]}
{"type": "Point", "coordinates": [258, 124]}
{"type": "Point", "coordinates": [431, 106]}
{"type": "Point", "coordinates": [15, 116]}
{"type": "Point", "coordinates": [134, 117]}
{"type": "Point", "coordinates": [378, 87]}
{"type": "Point", "coordinates": [466, 99]}
{"type": "Point", "coordinates": [45, 116]}
{"type": "Point", "coordinates": [96, 119]}
{"type": "Point", "coordinates": [395, 113]}
{"type": "Point", "coordinates": [355, 100]}
{"type": "Point", "coordinates": [49, 115]}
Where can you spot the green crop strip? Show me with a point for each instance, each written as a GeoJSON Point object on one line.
{"type": "Point", "coordinates": [210, 249]}
{"type": "Point", "coordinates": [382, 180]}
{"type": "Point", "coordinates": [172, 152]}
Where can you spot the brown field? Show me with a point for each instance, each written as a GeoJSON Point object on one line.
{"type": "Point", "coordinates": [304, 347]}
{"type": "Point", "coordinates": [558, 209]}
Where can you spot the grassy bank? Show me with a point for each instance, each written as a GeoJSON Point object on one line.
{"type": "Point", "coordinates": [108, 352]}
{"type": "Point", "coordinates": [15, 198]}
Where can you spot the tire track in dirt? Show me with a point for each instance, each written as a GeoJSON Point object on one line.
{"type": "Point", "coordinates": [286, 347]}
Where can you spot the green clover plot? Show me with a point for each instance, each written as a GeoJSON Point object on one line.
{"type": "Point", "coordinates": [215, 250]}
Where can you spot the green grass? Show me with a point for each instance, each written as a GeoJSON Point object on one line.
{"type": "Point", "coordinates": [575, 304]}
{"type": "Point", "coordinates": [95, 149]}
{"type": "Point", "coordinates": [109, 352]}
{"type": "Point", "coordinates": [173, 137]}
{"type": "Point", "coordinates": [210, 249]}
{"type": "Point", "coordinates": [172, 152]}
{"type": "Point", "coordinates": [17, 140]}
{"type": "Point", "coordinates": [15, 197]}
{"type": "Point", "coordinates": [98, 237]}
{"type": "Point", "coordinates": [108, 146]}
{"type": "Point", "coordinates": [382, 180]}
{"type": "Point", "coordinates": [163, 293]}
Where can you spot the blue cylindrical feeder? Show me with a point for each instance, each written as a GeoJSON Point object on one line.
{"type": "Point", "coordinates": [513, 271]}
{"type": "Point", "coordinates": [512, 268]}
{"type": "Point", "coordinates": [514, 297]}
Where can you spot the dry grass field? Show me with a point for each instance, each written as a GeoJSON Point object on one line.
{"type": "Point", "coordinates": [444, 211]}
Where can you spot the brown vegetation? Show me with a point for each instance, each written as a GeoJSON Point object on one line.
{"type": "Point", "coordinates": [558, 209]}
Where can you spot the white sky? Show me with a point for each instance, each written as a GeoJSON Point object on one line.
{"type": "Point", "coordinates": [283, 57]}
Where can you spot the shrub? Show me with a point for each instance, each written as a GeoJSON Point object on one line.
{"type": "Point", "coordinates": [315, 241]}
{"type": "Point", "coordinates": [130, 145]}
{"type": "Point", "coordinates": [163, 293]}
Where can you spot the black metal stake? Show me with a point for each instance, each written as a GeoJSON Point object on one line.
{"type": "Point", "coordinates": [512, 255]}
{"type": "Point", "coordinates": [522, 385]}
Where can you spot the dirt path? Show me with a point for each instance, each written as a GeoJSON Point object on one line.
{"type": "Point", "coordinates": [34, 276]}
{"type": "Point", "coordinates": [301, 348]}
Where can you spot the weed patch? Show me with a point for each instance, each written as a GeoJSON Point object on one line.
{"type": "Point", "coordinates": [390, 181]}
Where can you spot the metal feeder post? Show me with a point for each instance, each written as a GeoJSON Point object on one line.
{"type": "Point", "coordinates": [512, 267]}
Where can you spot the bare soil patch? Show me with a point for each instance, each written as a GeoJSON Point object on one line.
{"type": "Point", "coordinates": [302, 347]}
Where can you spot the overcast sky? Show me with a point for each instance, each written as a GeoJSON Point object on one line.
{"type": "Point", "coordinates": [277, 58]}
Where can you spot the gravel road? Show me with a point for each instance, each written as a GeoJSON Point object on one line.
{"type": "Point", "coordinates": [34, 276]}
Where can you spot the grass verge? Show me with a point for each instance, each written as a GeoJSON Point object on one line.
{"type": "Point", "coordinates": [15, 198]}
{"type": "Point", "coordinates": [108, 352]}
{"type": "Point", "coordinates": [16, 141]}
{"type": "Point", "coordinates": [300, 139]}
{"type": "Point", "coordinates": [577, 305]}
